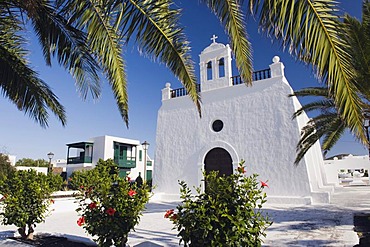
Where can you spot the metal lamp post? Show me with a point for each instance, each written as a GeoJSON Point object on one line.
{"type": "Point", "coordinates": [50, 156]}
{"type": "Point", "coordinates": [366, 124]}
{"type": "Point", "coordinates": [145, 145]}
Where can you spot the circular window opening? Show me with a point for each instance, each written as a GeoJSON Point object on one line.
{"type": "Point", "coordinates": [217, 125]}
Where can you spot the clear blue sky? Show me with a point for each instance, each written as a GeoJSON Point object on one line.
{"type": "Point", "coordinates": [21, 136]}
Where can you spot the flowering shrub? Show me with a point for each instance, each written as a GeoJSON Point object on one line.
{"type": "Point", "coordinates": [227, 214]}
{"type": "Point", "coordinates": [110, 206]}
{"type": "Point", "coordinates": [26, 199]}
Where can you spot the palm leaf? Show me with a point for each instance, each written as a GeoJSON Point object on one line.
{"type": "Point", "coordinates": [335, 132]}
{"type": "Point", "coordinates": [104, 42]}
{"type": "Point", "coordinates": [69, 45]}
{"type": "Point", "coordinates": [357, 35]}
{"type": "Point", "coordinates": [328, 126]}
{"type": "Point", "coordinates": [325, 106]}
{"type": "Point", "coordinates": [311, 91]}
{"type": "Point", "coordinates": [18, 82]}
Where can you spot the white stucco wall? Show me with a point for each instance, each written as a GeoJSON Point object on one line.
{"type": "Point", "coordinates": [333, 167]}
{"type": "Point", "coordinates": [258, 128]}
{"type": "Point", "coordinates": [38, 169]}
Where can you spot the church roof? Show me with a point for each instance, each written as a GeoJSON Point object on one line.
{"type": "Point", "coordinates": [213, 47]}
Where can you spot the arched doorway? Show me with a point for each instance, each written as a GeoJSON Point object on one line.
{"type": "Point", "coordinates": [218, 159]}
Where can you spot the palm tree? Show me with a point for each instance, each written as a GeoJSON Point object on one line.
{"type": "Point", "coordinates": [330, 124]}
{"type": "Point", "coordinates": [86, 37]}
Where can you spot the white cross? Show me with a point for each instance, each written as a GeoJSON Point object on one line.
{"type": "Point", "coordinates": [214, 37]}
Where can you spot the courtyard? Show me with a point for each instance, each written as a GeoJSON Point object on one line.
{"type": "Point", "coordinates": [293, 225]}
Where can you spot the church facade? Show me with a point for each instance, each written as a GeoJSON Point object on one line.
{"type": "Point", "coordinates": [238, 122]}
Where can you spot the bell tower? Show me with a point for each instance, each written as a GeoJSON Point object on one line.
{"type": "Point", "coordinates": [215, 66]}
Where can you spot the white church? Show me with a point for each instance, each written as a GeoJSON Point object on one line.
{"type": "Point", "coordinates": [238, 122]}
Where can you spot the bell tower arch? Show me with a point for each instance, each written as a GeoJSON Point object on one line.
{"type": "Point", "coordinates": [215, 66]}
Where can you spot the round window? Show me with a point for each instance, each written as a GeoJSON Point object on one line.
{"type": "Point", "coordinates": [217, 125]}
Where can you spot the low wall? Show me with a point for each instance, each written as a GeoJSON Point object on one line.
{"type": "Point", "coordinates": [343, 168]}
{"type": "Point", "coordinates": [38, 169]}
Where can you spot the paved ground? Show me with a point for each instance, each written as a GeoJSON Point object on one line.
{"type": "Point", "coordinates": [313, 225]}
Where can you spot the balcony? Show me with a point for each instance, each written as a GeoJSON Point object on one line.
{"type": "Point", "coordinates": [79, 160]}
{"type": "Point", "coordinates": [125, 162]}
{"type": "Point", "coordinates": [82, 153]}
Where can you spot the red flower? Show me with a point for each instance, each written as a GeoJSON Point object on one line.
{"type": "Point", "coordinates": [128, 178]}
{"type": "Point", "coordinates": [174, 217]}
{"type": "Point", "coordinates": [169, 213]}
{"type": "Point", "coordinates": [81, 186]}
{"type": "Point", "coordinates": [132, 193]}
{"type": "Point", "coordinates": [52, 201]}
{"type": "Point", "coordinates": [264, 184]}
{"type": "Point", "coordinates": [92, 205]}
{"type": "Point", "coordinates": [110, 211]}
{"type": "Point", "coordinates": [81, 221]}
{"type": "Point", "coordinates": [87, 192]}
{"type": "Point", "coordinates": [241, 169]}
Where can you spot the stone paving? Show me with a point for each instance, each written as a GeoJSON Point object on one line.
{"type": "Point", "coordinates": [303, 225]}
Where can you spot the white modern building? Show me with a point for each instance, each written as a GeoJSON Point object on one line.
{"type": "Point", "coordinates": [238, 122]}
{"type": "Point", "coordinates": [130, 155]}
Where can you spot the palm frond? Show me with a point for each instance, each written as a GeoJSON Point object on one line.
{"type": "Point", "coordinates": [324, 106]}
{"type": "Point", "coordinates": [336, 131]}
{"type": "Point", "coordinates": [159, 36]}
{"type": "Point", "coordinates": [309, 29]}
{"type": "Point", "coordinates": [104, 42]}
{"type": "Point", "coordinates": [232, 18]}
{"type": "Point", "coordinates": [308, 138]}
{"type": "Point", "coordinates": [59, 38]}
{"type": "Point", "coordinates": [358, 37]}
{"type": "Point", "coordinates": [22, 86]}
{"type": "Point", "coordinates": [328, 126]}
{"type": "Point", "coordinates": [311, 91]}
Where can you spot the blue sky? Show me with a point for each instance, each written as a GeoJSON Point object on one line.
{"type": "Point", "coordinates": [21, 136]}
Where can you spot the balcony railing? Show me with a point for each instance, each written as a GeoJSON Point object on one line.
{"type": "Point", "coordinates": [236, 80]}
{"type": "Point", "coordinates": [257, 76]}
{"type": "Point", "coordinates": [182, 91]}
{"type": "Point", "coordinates": [79, 160]}
{"type": "Point", "coordinates": [125, 162]}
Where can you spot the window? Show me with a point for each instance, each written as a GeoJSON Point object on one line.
{"type": "Point", "coordinates": [140, 155]}
{"type": "Point", "coordinates": [217, 125]}
{"type": "Point", "coordinates": [209, 70]}
{"type": "Point", "coordinates": [221, 67]}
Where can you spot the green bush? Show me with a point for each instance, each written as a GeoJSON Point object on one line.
{"type": "Point", "coordinates": [26, 199]}
{"type": "Point", "coordinates": [6, 169]}
{"type": "Point", "coordinates": [109, 206]}
{"type": "Point", "coordinates": [32, 162]}
{"type": "Point", "coordinates": [78, 178]}
{"type": "Point", "coordinates": [227, 214]}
